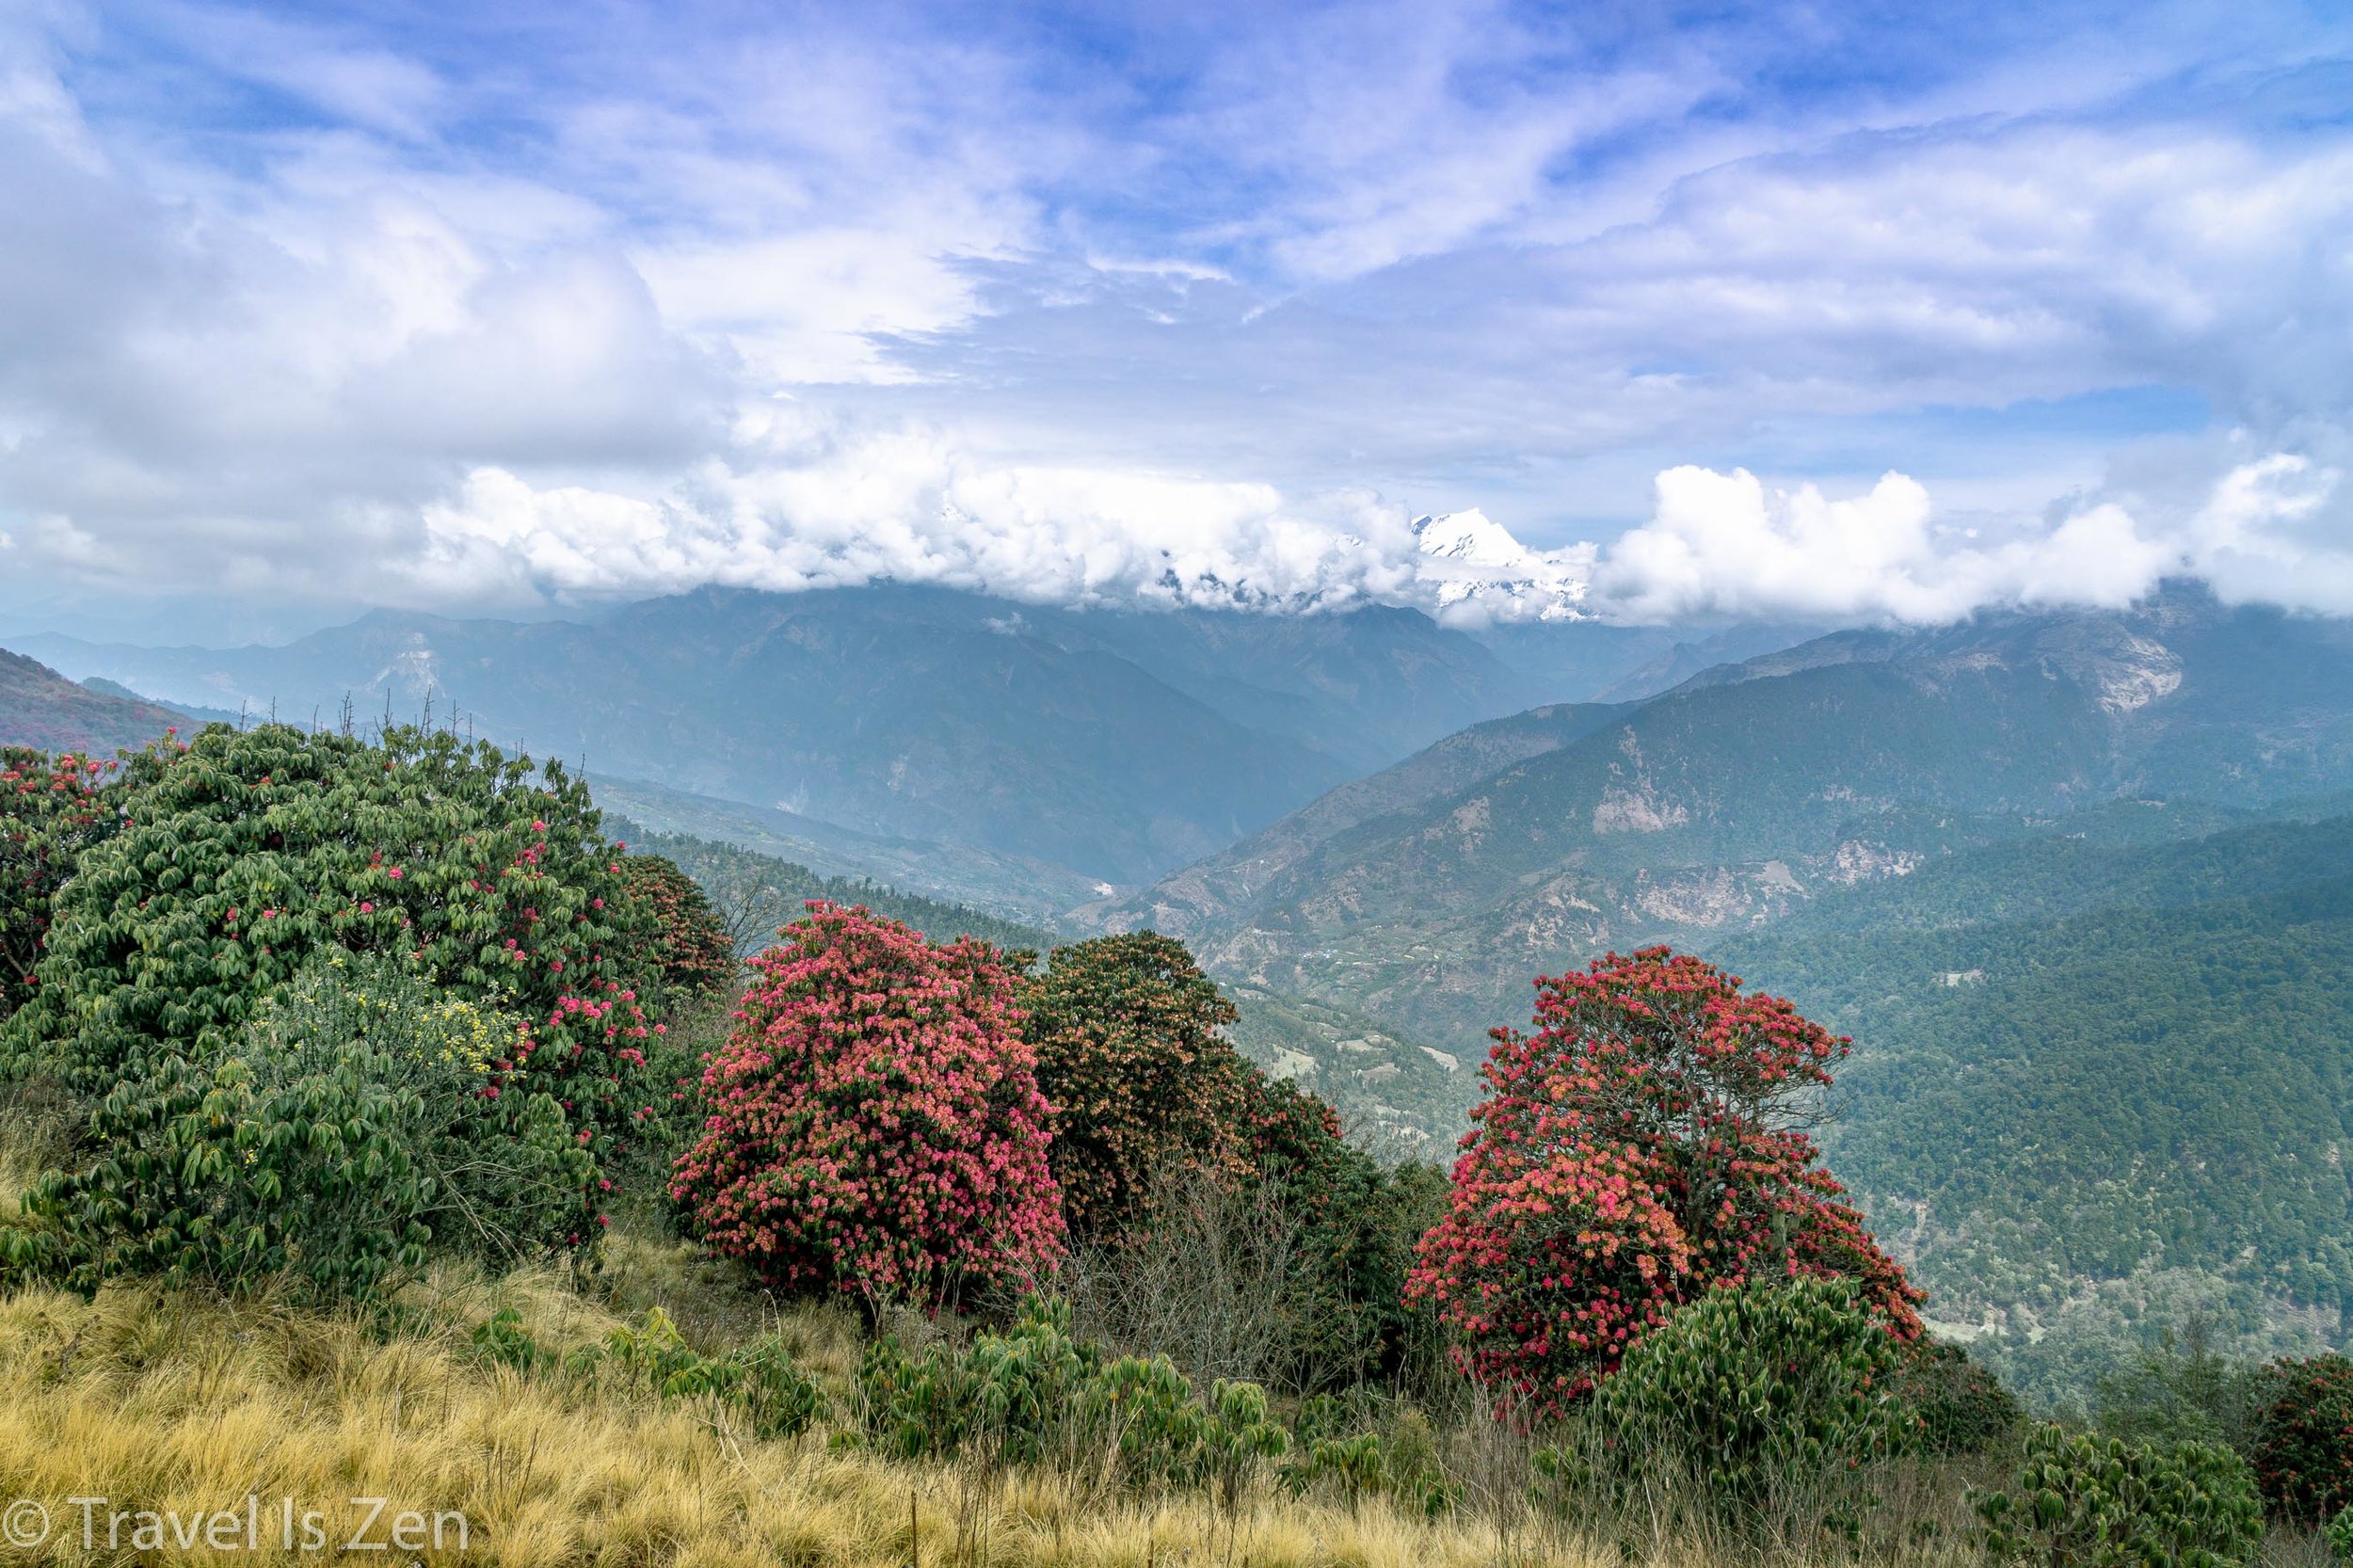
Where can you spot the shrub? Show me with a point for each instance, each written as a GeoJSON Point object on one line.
{"type": "Point", "coordinates": [686, 952]}
{"type": "Point", "coordinates": [759, 1378]}
{"type": "Point", "coordinates": [1642, 1147]}
{"type": "Point", "coordinates": [1357, 1227]}
{"type": "Point", "coordinates": [50, 813]}
{"type": "Point", "coordinates": [1765, 1385]}
{"type": "Point", "coordinates": [2303, 1447]}
{"type": "Point", "coordinates": [2092, 1502]}
{"type": "Point", "coordinates": [1033, 1395]}
{"type": "Point", "coordinates": [1964, 1409]}
{"type": "Point", "coordinates": [874, 1122]}
{"type": "Point", "coordinates": [241, 857]}
{"type": "Point", "coordinates": [1126, 1029]}
{"type": "Point", "coordinates": [368, 1115]}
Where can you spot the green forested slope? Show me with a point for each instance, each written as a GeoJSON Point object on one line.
{"type": "Point", "coordinates": [756, 893]}
{"type": "Point", "coordinates": [2075, 1060]}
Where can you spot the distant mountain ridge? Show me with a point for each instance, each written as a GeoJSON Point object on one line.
{"type": "Point", "coordinates": [1742, 793]}
{"type": "Point", "coordinates": [1117, 743]}
{"type": "Point", "coordinates": [41, 708]}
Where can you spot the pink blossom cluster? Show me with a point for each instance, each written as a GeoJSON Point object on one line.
{"type": "Point", "coordinates": [875, 1124]}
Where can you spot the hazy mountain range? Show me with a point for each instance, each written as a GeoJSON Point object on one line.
{"type": "Point", "coordinates": [1116, 745]}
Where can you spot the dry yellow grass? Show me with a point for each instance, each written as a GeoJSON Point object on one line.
{"type": "Point", "coordinates": [185, 1406]}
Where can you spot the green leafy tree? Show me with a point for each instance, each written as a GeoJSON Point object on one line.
{"type": "Point", "coordinates": [689, 952]}
{"type": "Point", "coordinates": [372, 1115]}
{"type": "Point", "coordinates": [240, 858]}
{"type": "Point", "coordinates": [1131, 1054]}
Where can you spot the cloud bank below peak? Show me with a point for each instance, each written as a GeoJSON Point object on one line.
{"type": "Point", "coordinates": [1718, 546]}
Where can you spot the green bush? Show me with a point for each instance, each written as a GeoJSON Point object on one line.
{"type": "Point", "coordinates": [2094, 1502]}
{"type": "Point", "coordinates": [759, 1378]}
{"type": "Point", "coordinates": [238, 860]}
{"type": "Point", "coordinates": [1363, 1446]}
{"type": "Point", "coordinates": [1963, 1407]}
{"type": "Point", "coordinates": [1031, 1395]}
{"type": "Point", "coordinates": [2303, 1447]}
{"type": "Point", "coordinates": [1765, 1385]}
{"type": "Point", "coordinates": [362, 1122]}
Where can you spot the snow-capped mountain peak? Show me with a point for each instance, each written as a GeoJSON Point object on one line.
{"type": "Point", "coordinates": [1479, 570]}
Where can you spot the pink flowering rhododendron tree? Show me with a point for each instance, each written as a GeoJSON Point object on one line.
{"type": "Point", "coordinates": [876, 1125]}
{"type": "Point", "coordinates": [1644, 1144]}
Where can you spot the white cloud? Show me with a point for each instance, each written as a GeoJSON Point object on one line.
{"type": "Point", "coordinates": [1725, 544]}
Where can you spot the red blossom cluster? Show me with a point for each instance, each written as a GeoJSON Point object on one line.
{"type": "Point", "coordinates": [49, 812]}
{"type": "Point", "coordinates": [875, 1124]}
{"type": "Point", "coordinates": [1641, 1146]}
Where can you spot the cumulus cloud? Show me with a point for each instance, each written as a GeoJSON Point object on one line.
{"type": "Point", "coordinates": [1726, 545]}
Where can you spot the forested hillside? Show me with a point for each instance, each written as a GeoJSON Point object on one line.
{"type": "Point", "coordinates": [1756, 790]}
{"type": "Point", "coordinates": [754, 894]}
{"type": "Point", "coordinates": [2081, 1061]}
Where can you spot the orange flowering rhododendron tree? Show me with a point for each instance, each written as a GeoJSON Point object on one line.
{"type": "Point", "coordinates": [876, 1125]}
{"type": "Point", "coordinates": [1644, 1144]}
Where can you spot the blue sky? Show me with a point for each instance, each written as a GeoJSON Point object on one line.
{"type": "Point", "coordinates": [1848, 311]}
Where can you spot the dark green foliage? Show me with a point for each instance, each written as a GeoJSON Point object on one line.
{"type": "Point", "coordinates": [1033, 1395]}
{"type": "Point", "coordinates": [503, 1342]}
{"type": "Point", "coordinates": [1358, 1226]}
{"type": "Point", "coordinates": [2303, 1447]}
{"type": "Point", "coordinates": [1963, 1407]}
{"type": "Point", "coordinates": [1764, 1386]}
{"type": "Point", "coordinates": [758, 1378]}
{"type": "Point", "coordinates": [240, 858]}
{"type": "Point", "coordinates": [361, 1128]}
{"type": "Point", "coordinates": [1131, 1056]}
{"type": "Point", "coordinates": [688, 954]}
{"type": "Point", "coordinates": [2094, 1502]}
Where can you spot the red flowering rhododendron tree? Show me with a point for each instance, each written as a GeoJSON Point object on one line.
{"type": "Point", "coordinates": [50, 812]}
{"type": "Point", "coordinates": [875, 1124]}
{"type": "Point", "coordinates": [1644, 1144]}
